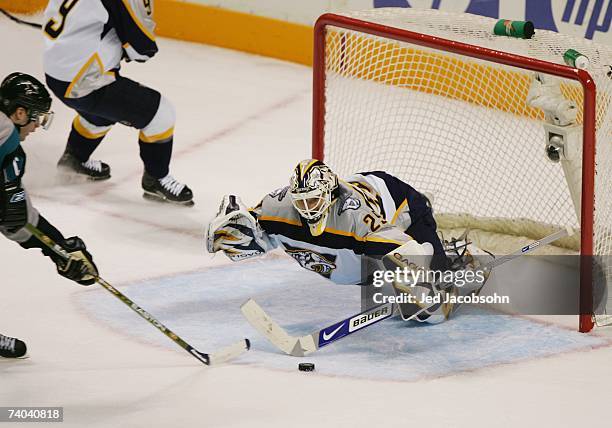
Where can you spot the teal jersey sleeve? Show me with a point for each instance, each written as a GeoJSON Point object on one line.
{"type": "Point", "coordinates": [10, 149]}
{"type": "Point", "coordinates": [9, 144]}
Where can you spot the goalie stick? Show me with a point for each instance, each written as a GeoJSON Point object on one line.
{"type": "Point", "coordinates": [299, 346]}
{"type": "Point", "coordinates": [219, 357]}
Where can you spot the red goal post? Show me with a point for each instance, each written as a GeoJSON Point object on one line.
{"type": "Point", "coordinates": [349, 31]}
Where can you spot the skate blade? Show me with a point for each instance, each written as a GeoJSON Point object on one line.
{"type": "Point", "coordinates": [69, 176]}
{"type": "Point", "coordinates": [23, 357]}
{"type": "Point", "coordinates": [158, 198]}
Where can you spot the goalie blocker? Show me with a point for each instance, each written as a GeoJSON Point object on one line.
{"type": "Point", "coordinates": [421, 294]}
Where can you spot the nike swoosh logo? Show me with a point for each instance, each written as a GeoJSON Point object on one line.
{"type": "Point", "coordinates": [327, 336]}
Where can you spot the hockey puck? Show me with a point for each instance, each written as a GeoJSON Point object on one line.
{"type": "Point", "coordinates": [306, 367]}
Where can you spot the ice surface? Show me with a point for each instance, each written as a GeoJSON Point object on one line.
{"type": "Point", "coordinates": [203, 308]}
{"type": "Point", "coordinates": [243, 122]}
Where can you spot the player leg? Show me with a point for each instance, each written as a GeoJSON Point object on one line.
{"type": "Point", "coordinates": [155, 141]}
{"type": "Point", "coordinates": [88, 130]}
{"type": "Point", "coordinates": [143, 108]}
{"type": "Point", "coordinates": [85, 136]}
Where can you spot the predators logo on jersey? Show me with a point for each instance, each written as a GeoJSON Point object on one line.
{"type": "Point", "coordinates": [350, 204]}
{"type": "Point", "coordinates": [311, 260]}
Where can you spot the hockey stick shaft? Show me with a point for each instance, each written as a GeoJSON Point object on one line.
{"type": "Point", "coordinates": [304, 345]}
{"type": "Point", "coordinates": [208, 359]}
{"type": "Point", "coordinates": [531, 247]}
{"type": "Point", "coordinates": [549, 239]}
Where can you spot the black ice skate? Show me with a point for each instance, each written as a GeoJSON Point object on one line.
{"type": "Point", "coordinates": [92, 169]}
{"type": "Point", "coordinates": [166, 189]}
{"type": "Point", "coordinates": [11, 347]}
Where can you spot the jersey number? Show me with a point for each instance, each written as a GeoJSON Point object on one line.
{"type": "Point", "coordinates": [54, 28]}
{"type": "Point", "coordinates": [374, 222]}
{"type": "Point", "coordinates": [147, 5]}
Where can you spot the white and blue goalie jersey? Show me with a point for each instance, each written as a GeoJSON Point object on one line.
{"type": "Point", "coordinates": [85, 40]}
{"type": "Point", "coordinates": [373, 214]}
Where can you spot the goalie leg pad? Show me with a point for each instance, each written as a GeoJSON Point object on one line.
{"type": "Point", "coordinates": [409, 262]}
{"type": "Point", "coordinates": [411, 255]}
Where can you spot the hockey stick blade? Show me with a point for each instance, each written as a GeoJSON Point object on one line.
{"type": "Point", "coordinates": [304, 345]}
{"type": "Point", "coordinates": [299, 346]}
{"type": "Point", "coordinates": [223, 355]}
{"type": "Point", "coordinates": [271, 330]}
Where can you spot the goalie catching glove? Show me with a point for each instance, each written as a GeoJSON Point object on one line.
{"type": "Point", "coordinates": [236, 232]}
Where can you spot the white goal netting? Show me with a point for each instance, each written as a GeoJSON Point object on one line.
{"type": "Point", "coordinates": [460, 129]}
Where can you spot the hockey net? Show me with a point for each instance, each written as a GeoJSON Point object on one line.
{"type": "Point", "coordinates": [440, 101]}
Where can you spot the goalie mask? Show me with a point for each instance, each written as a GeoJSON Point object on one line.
{"type": "Point", "coordinates": [312, 188]}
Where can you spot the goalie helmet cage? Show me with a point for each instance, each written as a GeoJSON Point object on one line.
{"type": "Point", "coordinates": [438, 100]}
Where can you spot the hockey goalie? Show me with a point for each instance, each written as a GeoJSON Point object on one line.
{"type": "Point", "coordinates": [330, 225]}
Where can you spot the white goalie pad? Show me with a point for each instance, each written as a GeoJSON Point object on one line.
{"type": "Point", "coordinates": [236, 232]}
{"type": "Point", "coordinates": [411, 254]}
{"type": "Point", "coordinates": [423, 293]}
